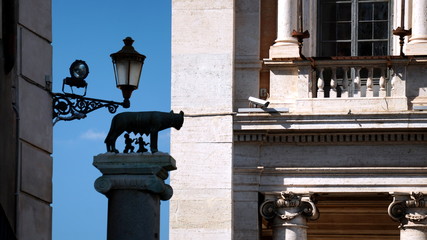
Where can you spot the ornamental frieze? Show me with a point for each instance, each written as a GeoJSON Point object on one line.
{"type": "Point", "coordinates": [331, 138]}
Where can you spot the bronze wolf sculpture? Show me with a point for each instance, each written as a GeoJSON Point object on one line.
{"type": "Point", "coordinates": [148, 123]}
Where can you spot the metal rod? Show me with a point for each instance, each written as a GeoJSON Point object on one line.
{"type": "Point", "coordinates": [299, 12]}
{"type": "Point", "coordinates": [402, 14]}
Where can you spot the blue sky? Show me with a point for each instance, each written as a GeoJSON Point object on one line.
{"type": "Point", "coordinates": [92, 30]}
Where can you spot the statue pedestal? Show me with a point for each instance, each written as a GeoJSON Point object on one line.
{"type": "Point", "coordinates": [134, 185]}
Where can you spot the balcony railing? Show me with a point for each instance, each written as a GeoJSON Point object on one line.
{"type": "Point", "coordinates": [356, 77]}
{"type": "Point", "coordinates": [338, 84]}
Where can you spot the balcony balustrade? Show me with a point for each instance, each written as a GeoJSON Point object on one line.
{"type": "Point", "coordinates": [341, 84]}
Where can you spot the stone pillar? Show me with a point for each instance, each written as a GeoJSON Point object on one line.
{"type": "Point", "coordinates": [411, 211]}
{"type": "Point", "coordinates": [134, 185]}
{"type": "Point", "coordinates": [285, 45]}
{"type": "Point", "coordinates": [418, 42]}
{"type": "Point", "coordinates": [288, 215]}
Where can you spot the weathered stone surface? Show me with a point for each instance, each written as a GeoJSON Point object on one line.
{"type": "Point", "coordinates": [247, 38]}
{"type": "Point", "coordinates": [249, 80]}
{"type": "Point", "coordinates": [283, 86]}
{"type": "Point", "coordinates": [36, 172]}
{"type": "Point", "coordinates": [30, 12]}
{"type": "Point", "coordinates": [189, 36]}
{"type": "Point", "coordinates": [202, 233]}
{"type": "Point", "coordinates": [214, 80]}
{"type": "Point", "coordinates": [207, 167]}
{"type": "Point", "coordinates": [35, 218]}
{"type": "Point", "coordinates": [36, 115]}
{"type": "Point", "coordinates": [293, 155]}
{"type": "Point", "coordinates": [249, 221]}
{"type": "Point", "coordinates": [36, 57]}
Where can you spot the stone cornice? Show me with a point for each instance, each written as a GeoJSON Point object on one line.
{"type": "Point", "coordinates": [263, 123]}
{"type": "Point", "coordinates": [331, 170]}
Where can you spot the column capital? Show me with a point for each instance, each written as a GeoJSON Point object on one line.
{"type": "Point", "coordinates": [152, 184]}
{"type": "Point", "coordinates": [134, 171]}
{"type": "Point", "coordinates": [302, 203]}
{"type": "Point", "coordinates": [409, 209]}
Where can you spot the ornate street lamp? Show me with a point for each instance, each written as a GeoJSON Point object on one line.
{"type": "Point", "coordinates": [127, 65]}
{"type": "Point", "coordinates": [127, 68]}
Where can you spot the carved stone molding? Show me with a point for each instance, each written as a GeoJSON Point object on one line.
{"type": "Point", "coordinates": [331, 138]}
{"type": "Point", "coordinates": [302, 205]}
{"type": "Point", "coordinates": [153, 184]}
{"type": "Point", "coordinates": [409, 210]}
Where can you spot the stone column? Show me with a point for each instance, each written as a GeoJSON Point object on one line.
{"type": "Point", "coordinates": [418, 42]}
{"type": "Point", "coordinates": [134, 185]}
{"type": "Point", "coordinates": [285, 45]}
{"type": "Point", "coordinates": [288, 215]}
{"type": "Point", "coordinates": [411, 211]}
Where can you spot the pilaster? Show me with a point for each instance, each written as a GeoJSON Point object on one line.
{"type": "Point", "coordinates": [288, 215]}
{"type": "Point", "coordinates": [411, 211]}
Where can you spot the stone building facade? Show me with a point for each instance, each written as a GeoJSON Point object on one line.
{"type": "Point", "coordinates": [344, 134]}
{"type": "Point", "coordinates": [25, 119]}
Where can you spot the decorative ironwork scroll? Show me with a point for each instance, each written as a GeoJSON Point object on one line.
{"type": "Point", "coordinates": [67, 107]}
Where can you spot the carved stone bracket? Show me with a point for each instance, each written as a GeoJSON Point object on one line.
{"type": "Point", "coordinates": [409, 211]}
{"type": "Point", "coordinates": [302, 205]}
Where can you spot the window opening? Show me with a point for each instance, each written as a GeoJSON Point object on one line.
{"type": "Point", "coordinates": [354, 28]}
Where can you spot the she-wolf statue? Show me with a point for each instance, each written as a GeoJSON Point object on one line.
{"type": "Point", "coordinates": [148, 123]}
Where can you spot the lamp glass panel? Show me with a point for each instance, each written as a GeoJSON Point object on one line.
{"type": "Point", "coordinates": [122, 72]}
{"type": "Point", "coordinates": [79, 70]}
{"type": "Point", "coordinates": [135, 73]}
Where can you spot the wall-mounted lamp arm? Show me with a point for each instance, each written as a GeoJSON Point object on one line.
{"type": "Point", "coordinates": [69, 107]}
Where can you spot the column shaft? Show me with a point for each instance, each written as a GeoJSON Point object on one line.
{"type": "Point", "coordinates": [419, 20]}
{"type": "Point", "coordinates": [285, 45]}
{"type": "Point", "coordinates": [294, 229]}
{"type": "Point", "coordinates": [286, 22]}
{"type": "Point", "coordinates": [418, 42]}
{"type": "Point", "coordinates": [133, 214]}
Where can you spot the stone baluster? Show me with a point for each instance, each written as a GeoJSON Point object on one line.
{"type": "Point", "coordinates": [411, 211]}
{"type": "Point", "coordinates": [320, 84]}
{"type": "Point", "coordinates": [288, 215]}
{"type": "Point", "coordinates": [356, 82]}
{"type": "Point", "coordinates": [370, 83]}
{"type": "Point", "coordinates": [285, 45]}
{"type": "Point", "coordinates": [418, 42]}
{"type": "Point", "coordinates": [333, 92]}
{"type": "Point", "coordinates": [344, 93]}
{"type": "Point", "coordinates": [383, 90]}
